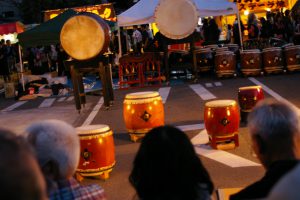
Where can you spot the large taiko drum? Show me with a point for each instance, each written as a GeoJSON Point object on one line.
{"type": "Point", "coordinates": [225, 63]}
{"type": "Point", "coordinates": [222, 120]}
{"type": "Point", "coordinates": [251, 62]}
{"type": "Point", "coordinates": [249, 96]}
{"type": "Point", "coordinates": [85, 36]}
{"type": "Point", "coordinates": [176, 19]}
{"type": "Point", "coordinates": [204, 59]}
{"type": "Point", "coordinates": [272, 60]}
{"type": "Point", "coordinates": [292, 57]}
{"type": "Point", "coordinates": [97, 150]}
{"type": "Point", "coordinates": [142, 111]}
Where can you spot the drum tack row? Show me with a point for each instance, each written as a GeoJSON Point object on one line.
{"type": "Point", "coordinates": [223, 61]}
{"type": "Point", "coordinates": [143, 111]}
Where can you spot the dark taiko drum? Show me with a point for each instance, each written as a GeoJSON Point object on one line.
{"type": "Point", "coordinates": [225, 62]}
{"type": "Point", "coordinates": [204, 59]}
{"type": "Point", "coordinates": [292, 57]}
{"type": "Point", "coordinates": [97, 154]}
{"type": "Point", "coordinates": [272, 60]}
{"type": "Point", "coordinates": [85, 36]}
{"type": "Point", "coordinates": [221, 118]}
{"type": "Point", "coordinates": [143, 111]}
{"type": "Point", "coordinates": [251, 62]}
{"type": "Point", "coordinates": [249, 96]}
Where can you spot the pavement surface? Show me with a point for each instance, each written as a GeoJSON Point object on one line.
{"type": "Point", "coordinates": [184, 108]}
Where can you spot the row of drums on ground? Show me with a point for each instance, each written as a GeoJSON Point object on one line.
{"type": "Point", "coordinates": [252, 62]}
{"type": "Point", "coordinates": [143, 111]}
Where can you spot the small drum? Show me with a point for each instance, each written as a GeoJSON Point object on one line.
{"type": "Point", "coordinates": [222, 120]}
{"type": "Point", "coordinates": [225, 63]}
{"type": "Point", "coordinates": [272, 60]}
{"type": "Point", "coordinates": [251, 62]}
{"type": "Point", "coordinates": [85, 36]}
{"type": "Point", "coordinates": [97, 154]}
{"type": "Point", "coordinates": [176, 19]}
{"type": "Point", "coordinates": [142, 111]}
{"type": "Point", "coordinates": [249, 96]}
{"type": "Point", "coordinates": [204, 60]}
{"type": "Point", "coordinates": [292, 57]}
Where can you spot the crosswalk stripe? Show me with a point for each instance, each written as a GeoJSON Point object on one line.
{"type": "Point", "coordinates": [223, 157]}
{"type": "Point", "coordinates": [14, 106]}
{"type": "Point", "coordinates": [47, 103]}
{"type": "Point", "coordinates": [164, 93]}
{"type": "Point", "coordinates": [218, 84]}
{"type": "Point", "coordinates": [202, 92]}
{"type": "Point", "coordinates": [70, 98]}
{"type": "Point", "coordinates": [274, 94]}
{"type": "Point", "coordinates": [94, 112]}
{"type": "Point", "coordinates": [208, 84]}
{"type": "Point", "coordinates": [61, 99]}
{"type": "Point", "coordinates": [191, 127]}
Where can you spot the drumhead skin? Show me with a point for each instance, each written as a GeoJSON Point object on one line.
{"type": "Point", "coordinates": [220, 103]}
{"type": "Point", "coordinates": [250, 87]}
{"type": "Point", "coordinates": [92, 129]}
{"type": "Point", "coordinates": [176, 19]}
{"type": "Point", "coordinates": [84, 36]}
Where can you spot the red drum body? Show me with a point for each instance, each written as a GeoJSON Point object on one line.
{"type": "Point", "coordinates": [251, 62]}
{"type": "Point", "coordinates": [85, 36]}
{"type": "Point", "coordinates": [249, 96]}
{"type": "Point", "coordinates": [222, 120]}
{"type": "Point", "coordinates": [204, 60]}
{"type": "Point", "coordinates": [292, 57]}
{"type": "Point", "coordinates": [272, 60]}
{"type": "Point", "coordinates": [97, 154]}
{"type": "Point", "coordinates": [225, 63]}
{"type": "Point", "coordinates": [142, 111]}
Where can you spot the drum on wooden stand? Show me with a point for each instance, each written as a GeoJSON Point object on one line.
{"type": "Point", "coordinates": [292, 57]}
{"type": "Point", "coordinates": [142, 111]}
{"type": "Point", "coordinates": [203, 60]}
{"type": "Point", "coordinates": [272, 60]}
{"type": "Point", "coordinates": [251, 62]}
{"type": "Point", "coordinates": [85, 36]}
{"type": "Point", "coordinates": [176, 19]}
{"type": "Point", "coordinates": [222, 120]}
{"type": "Point", "coordinates": [248, 97]}
{"type": "Point", "coordinates": [225, 64]}
{"type": "Point", "coordinates": [97, 153]}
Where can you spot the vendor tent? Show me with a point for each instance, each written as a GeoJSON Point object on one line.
{"type": "Point", "coordinates": [47, 33]}
{"type": "Point", "coordinates": [143, 11]}
{"type": "Point", "coordinates": [13, 27]}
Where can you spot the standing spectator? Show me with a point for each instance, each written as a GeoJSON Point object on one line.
{"type": "Point", "coordinates": [57, 147]}
{"type": "Point", "coordinates": [204, 29]}
{"type": "Point", "coordinates": [279, 27]}
{"type": "Point", "coordinates": [167, 167]}
{"type": "Point", "coordinates": [137, 40]}
{"type": "Point", "coordinates": [61, 57]}
{"type": "Point", "coordinates": [11, 55]}
{"type": "Point", "coordinates": [4, 70]}
{"type": "Point", "coordinates": [213, 32]}
{"type": "Point", "coordinates": [253, 30]}
{"type": "Point", "coordinates": [21, 177]}
{"type": "Point", "coordinates": [145, 37]}
{"type": "Point", "coordinates": [236, 32]}
{"type": "Point", "coordinates": [263, 30]}
{"type": "Point", "coordinates": [149, 31]}
{"type": "Point", "coordinates": [229, 33]}
{"type": "Point", "coordinates": [289, 26]}
{"type": "Point", "coordinates": [275, 133]}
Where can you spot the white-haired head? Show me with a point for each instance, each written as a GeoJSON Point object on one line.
{"type": "Point", "coordinates": [274, 127]}
{"type": "Point", "coordinates": [56, 142]}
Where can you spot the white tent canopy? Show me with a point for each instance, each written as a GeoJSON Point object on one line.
{"type": "Point", "coordinates": [143, 11]}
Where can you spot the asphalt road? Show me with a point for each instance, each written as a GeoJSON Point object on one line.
{"type": "Point", "coordinates": [183, 107]}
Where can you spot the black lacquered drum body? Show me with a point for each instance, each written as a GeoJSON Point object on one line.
{"type": "Point", "coordinates": [204, 59]}
{"type": "Point", "coordinates": [292, 57]}
{"type": "Point", "coordinates": [272, 60]}
{"type": "Point", "coordinates": [225, 63]}
{"type": "Point", "coordinates": [251, 62]}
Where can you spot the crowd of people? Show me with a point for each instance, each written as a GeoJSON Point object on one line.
{"type": "Point", "coordinates": [8, 56]}
{"type": "Point", "coordinates": [165, 167]}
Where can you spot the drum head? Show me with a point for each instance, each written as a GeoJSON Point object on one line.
{"type": "Point", "coordinates": [92, 129]}
{"type": "Point", "coordinates": [220, 103]}
{"type": "Point", "coordinates": [142, 95]}
{"type": "Point", "coordinates": [254, 87]}
{"type": "Point", "coordinates": [176, 19]}
{"type": "Point", "coordinates": [82, 37]}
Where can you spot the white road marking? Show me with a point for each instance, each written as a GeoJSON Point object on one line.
{"type": "Point", "coordinates": [231, 160]}
{"type": "Point", "coordinates": [191, 127]}
{"type": "Point", "coordinates": [208, 84]}
{"type": "Point", "coordinates": [164, 93]}
{"type": "Point", "coordinates": [70, 98]}
{"type": "Point", "coordinates": [61, 99]}
{"type": "Point", "coordinates": [218, 84]}
{"type": "Point", "coordinates": [94, 112]}
{"type": "Point", "coordinates": [47, 103]}
{"type": "Point", "coordinates": [202, 92]}
{"type": "Point", "coordinates": [14, 106]}
{"type": "Point", "coordinates": [274, 94]}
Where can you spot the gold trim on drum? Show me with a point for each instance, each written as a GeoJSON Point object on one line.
{"type": "Point", "coordinates": [94, 135]}
{"type": "Point", "coordinates": [250, 87]}
{"type": "Point", "coordinates": [271, 49]}
{"type": "Point", "coordinates": [92, 129]}
{"type": "Point", "coordinates": [139, 131]}
{"type": "Point", "coordinates": [95, 172]}
{"type": "Point", "coordinates": [229, 135]}
{"type": "Point", "coordinates": [250, 51]}
{"type": "Point", "coordinates": [220, 103]}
